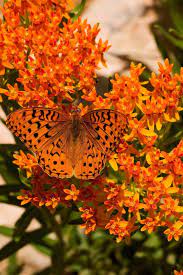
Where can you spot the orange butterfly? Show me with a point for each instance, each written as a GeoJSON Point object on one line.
{"type": "Point", "coordinates": [69, 145]}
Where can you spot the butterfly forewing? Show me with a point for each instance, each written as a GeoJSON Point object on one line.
{"type": "Point", "coordinates": [36, 126]}
{"type": "Point", "coordinates": [106, 127]}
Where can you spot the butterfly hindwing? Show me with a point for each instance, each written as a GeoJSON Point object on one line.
{"type": "Point", "coordinates": [90, 162]}
{"type": "Point", "coordinates": [54, 160]}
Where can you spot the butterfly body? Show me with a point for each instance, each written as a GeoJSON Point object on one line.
{"type": "Point", "coordinates": [76, 127]}
{"type": "Point", "coordinates": [69, 145]}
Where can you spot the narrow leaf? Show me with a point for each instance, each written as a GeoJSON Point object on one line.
{"type": "Point", "coordinates": [23, 222]}
{"type": "Point", "coordinates": [13, 247]}
{"type": "Point", "coordinates": [9, 188]}
{"type": "Point", "coordinates": [76, 12]}
{"type": "Point", "coordinates": [177, 42]}
{"type": "Point", "coordinates": [176, 14]}
{"type": "Point", "coordinates": [6, 231]}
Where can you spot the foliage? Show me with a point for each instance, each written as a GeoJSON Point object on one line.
{"type": "Point", "coordinates": [48, 57]}
{"type": "Point", "coordinates": [168, 31]}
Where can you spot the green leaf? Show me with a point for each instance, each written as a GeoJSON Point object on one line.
{"type": "Point", "coordinates": [23, 177]}
{"type": "Point", "coordinates": [11, 148]}
{"type": "Point", "coordinates": [43, 246]}
{"type": "Point", "coordinates": [176, 14]}
{"type": "Point", "coordinates": [174, 60]}
{"type": "Point", "coordinates": [23, 222]}
{"type": "Point", "coordinates": [28, 238]}
{"type": "Point", "coordinates": [159, 43]}
{"type": "Point", "coordinates": [7, 105]}
{"type": "Point", "coordinates": [76, 12]}
{"type": "Point", "coordinates": [176, 137]}
{"type": "Point", "coordinates": [6, 231]}
{"type": "Point", "coordinates": [43, 249]}
{"type": "Point", "coordinates": [176, 42]}
{"type": "Point", "coordinates": [76, 221]}
{"type": "Point", "coordinates": [25, 20]}
{"type": "Point", "coordinates": [13, 267]}
{"type": "Point", "coordinates": [58, 259]}
{"type": "Point", "coordinates": [175, 33]}
{"type": "Point", "coordinates": [8, 175]}
{"type": "Point", "coordinates": [49, 242]}
{"type": "Point", "coordinates": [153, 241]}
{"type": "Point", "coordinates": [7, 169]}
{"type": "Point", "coordinates": [6, 189]}
{"type": "Point", "coordinates": [11, 200]}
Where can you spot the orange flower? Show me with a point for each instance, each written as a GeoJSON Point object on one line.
{"type": "Point", "coordinates": [127, 90]}
{"type": "Point", "coordinates": [89, 219]}
{"type": "Point", "coordinates": [72, 194]}
{"type": "Point", "coordinates": [175, 231]}
{"type": "Point", "coordinates": [150, 224]}
{"type": "Point", "coordinates": [25, 162]}
{"type": "Point", "coordinates": [171, 207]}
{"type": "Point", "coordinates": [121, 228]}
{"type": "Point", "coordinates": [51, 61]}
{"type": "Point", "coordinates": [178, 272]}
{"type": "Point", "coordinates": [25, 198]}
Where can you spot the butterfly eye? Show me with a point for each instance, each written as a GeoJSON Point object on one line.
{"type": "Point", "coordinates": [76, 110]}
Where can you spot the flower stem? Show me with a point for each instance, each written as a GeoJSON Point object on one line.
{"type": "Point", "coordinates": [59, 247]}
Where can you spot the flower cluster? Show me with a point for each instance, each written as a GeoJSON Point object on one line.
{"type": "Point", "coordinates": [55, 61]}
{"type": "Point", "coordinates": [53, 56]}
{"type": "Point", "coordinates": [178, 272]}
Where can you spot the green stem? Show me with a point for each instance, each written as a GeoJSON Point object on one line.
{"type": "Point", "coordinates": [78, 10]}
{"type": "Point", "coordinates": [163, 135]}
{"type": "Point", "coordinates": [59, 247]}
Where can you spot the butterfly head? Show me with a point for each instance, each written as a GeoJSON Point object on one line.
{"type": "Point", "coordinates": [76, 111]}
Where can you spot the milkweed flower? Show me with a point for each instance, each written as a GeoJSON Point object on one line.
{"type": "Point", "coordinates": [25, 161]}
{"type": "Point", "coordinates": [54, 56]}
{"type": "Point", "coordinates": [72, 194]}
{"type": "Point", "coordinates": [178, 272]}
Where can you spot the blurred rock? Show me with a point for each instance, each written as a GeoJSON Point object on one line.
{"type": "Point", "coordinates": [6, 136]}
{"type": "Point", "coordinates": [136, 41]}
{"type": "Point", "coordinates": [114, 64]}
{"type": "Point", "coordinates": [126, 26]}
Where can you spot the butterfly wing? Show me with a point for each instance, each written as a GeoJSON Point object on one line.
{"type": "Point", "coordinates": [103, 130]}
{"type": "Point", "coordinates": [44, 131]}
{"type": "Point", "coordinates": [47, 133]}
{"type": "Point", "coordinates": [54, 160]}
{"type": "Point", "coordinates": [90, 161]}
{"type": "Point", "coordinates": [106, 127]}
{"type": "Point", "coordinates": [36, 126]}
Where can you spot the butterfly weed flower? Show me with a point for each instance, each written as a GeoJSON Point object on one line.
{"type": "Point", "coordinates": [49, 60]}
{"type": "Point", "coordinates": [52, 61]}
{"type": "Point", "coordinates": [72, 194]}
{"type": "Point", "coordinates": [178, 272]}
{"type": "Point", "coordinates": [25, 161]}
{"type": "Point", "coordinates": [88, 216]}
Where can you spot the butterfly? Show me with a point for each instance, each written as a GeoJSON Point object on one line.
{"type": "Point", "coordinates": [72, 144]}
